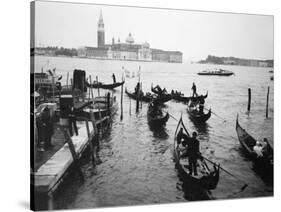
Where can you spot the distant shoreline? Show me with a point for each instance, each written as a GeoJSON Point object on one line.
{"type": "Point", "coordinates": [237, 61]}
{"type": "Point", "coordinates": [99, 58]}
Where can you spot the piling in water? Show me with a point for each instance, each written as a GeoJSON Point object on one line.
{"type": "Point", "coordinates": [249, 99]}
{"type": "Point", "coordinates": [121, 117]}
{"type": "Point", "coordinates": [97, 79]}
{"type": "Point", "coordinates": [267, 98]}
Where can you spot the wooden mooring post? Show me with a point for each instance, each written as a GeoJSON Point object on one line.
{"type": "Point", "coordinates": [96, 134]}
{"type": "Point", "coordinates": [90, 142]}
{"type": "Point", "coordinates": [138, 95]}
{"type": "Point", "coordinates": [141, 101]}
{"type": "Point", "coordinates": [121, 116]}
{"type": "Point", "coordinates": [67, 76]}
{"type": "Point", "coordinates": [91, 89]}
{"type": "Point", "coordinates": [130, 106]}
{"type": "Point", "coordinates": [249, 99]}
{"type": "Point", "coordinates": [97, 79]}
{"type": "Point", "coordinates": [267, 99]}
{"type": "Point", "coordinates": [73, 152]}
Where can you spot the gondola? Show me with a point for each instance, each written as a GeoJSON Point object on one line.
{"type": "Point", "coordinates": [161, 95]}
{"type": "Point", "coordinates": [143, 98]}
{"type": "Point", "coordinates": [149, 97]}
{"type": "Point", "coordinates": [186, 99]}
{"type": "Point", "coordinates": [105, 86]}
{"type": "Point", "coordinates": [206, 179]}
{"type": "Point", "coordinates": [248, 143]}
{"type": "Point", "coordinates": [156, 118]}
{"type": "Point", "coordinates": [196, 116]}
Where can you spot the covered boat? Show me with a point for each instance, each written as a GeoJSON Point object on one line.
{"type": "Point", "coordinates": [155, 115]}
{"type": "Point", "coordinates": [248, 143]}
{"type": "Point", "coordinates": [206, 179]}
{"type": "Point", "coordinates": [216, 72]}
{"type": "Point", "coordinates": [105, 86]}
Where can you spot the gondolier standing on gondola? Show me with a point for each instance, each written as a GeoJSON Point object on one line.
{"type": "Point", "coordinates": [193, 154]}
{"type": "Point", "coordinates": [114, 78]}
{"type": "Point", "coordinates": [194, 90]}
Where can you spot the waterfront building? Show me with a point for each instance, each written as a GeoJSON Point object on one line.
{"type": "Point", "coordinates": [128, 50]}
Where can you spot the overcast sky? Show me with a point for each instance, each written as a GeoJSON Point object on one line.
{"type": "Point", "coordinates": [196, 34]}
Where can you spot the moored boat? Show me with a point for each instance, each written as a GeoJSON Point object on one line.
{"type": "Point", "coordinates": [206, 179]}
{"type": "Point", "coordinates": [197, 116]}
{"type": "Point", "coordinates": [216, 72]}
{"type": "Point", "coordinates": [105, 86]}
{"type": "Point", "coordinates": [248, 143]}
{"type": "Point", "coordinates": [144, 98]}
{"type": "Point", "coordinates": [148, 97]}
{"type": "Point", "coordinates": [155, 116]}
{"type": "Point", "coordinates": [185, 99]}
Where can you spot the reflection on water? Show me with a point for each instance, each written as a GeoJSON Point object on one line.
{"type": "Point", "coordinates": [136, 161]}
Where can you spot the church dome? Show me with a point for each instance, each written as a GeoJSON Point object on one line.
{"type": "Point", "coordinates": [145, 45]}
{"type": "Point", "coordinates": [130, 39]}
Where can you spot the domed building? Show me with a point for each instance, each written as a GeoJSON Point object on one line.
{"type": "Point", "coordinates": [127, 50]}
{"type": "Point", "coordinates": [130, 39]}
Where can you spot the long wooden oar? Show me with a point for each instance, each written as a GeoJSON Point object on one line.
{"type": "Point", "coordinates": [216, 115]}
{"type": "Point", "coordinates": [173, 117]}
{"type": "Point", "coordinates": [237, 178]}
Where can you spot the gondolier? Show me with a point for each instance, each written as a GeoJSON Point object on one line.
{"type": "Point", "coordinates": [193, 154]}
{"type": "Point", "coordinates": [114, 78]}
{"type": "Point", "coordinates": [194, 90]}
{"type": "Point", "coordinates": [207, 178]}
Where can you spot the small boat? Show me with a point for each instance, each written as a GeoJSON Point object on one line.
{"type": "Point", "coordinates": [196, 116]}
{"type": "Point", "coordinates": [185, 99]}
{"type": "Point", "coordinates": [144, 98]}
{"type": "Point", "coordinates": [155, 116]}
{"type": "Point", "coordinates": [161, 93]}
{"type": "Point", "coordinates": [206, 179]}
{"type": "Point", "coordinates": [105, 86]}
{"type": "Point", "coordinates": [148, 97]}
{"type": "Point", "coordinates": [216, 72]}
{"type": "Point", "coordinates": [271, 78]}
{"type": "Point", "coordinates": [158, 90]}
{"type": "Point", "coordinates": [248, 143]}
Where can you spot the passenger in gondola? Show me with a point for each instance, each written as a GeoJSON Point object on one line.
{"type": "Point", "coordinates": [181, 137]}
{"type": "Point", "coordinates": [137, 88]}
{"type": "Point", "coordinates": [172, 92]}
{"type": "Point", "coordinates": [183, 143]}
{"type": "Point", "coordinates": [114, 78]}
{"type": "Point", "coordinates": [164, 91]}
{"type": "Point", "coordinates": [258, 149]}
{"type": "Point", "coordinates": [266, 149]}
{"type": "Point", "coordinates": [201, 106]}
{"type": "Point", "coordinates": [194, 90]}
{"type": "Point", "coordinates": [193, 154]}
{"type": "Point", "coordinates": [158, 89]}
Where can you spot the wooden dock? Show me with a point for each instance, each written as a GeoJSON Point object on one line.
{"type": "Point", "coordinates": [47, 177]}
{"type": "Point", "coordinates": [53, 165]}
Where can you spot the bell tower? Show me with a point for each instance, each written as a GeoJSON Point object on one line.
{"type": "Point", "coordinates": [100, 31]}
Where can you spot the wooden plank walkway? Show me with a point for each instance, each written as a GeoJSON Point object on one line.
{"type": "Point", "coordinates": [47, 177]}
